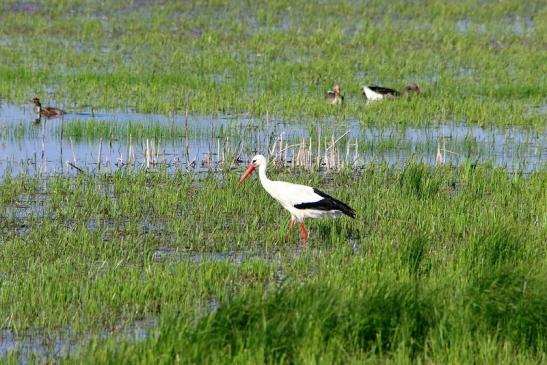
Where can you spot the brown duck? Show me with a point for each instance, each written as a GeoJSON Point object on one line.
{"type": "Point", "coordinates": [48, 111]}
{"type": "Point", "coordinates": [333, 96]}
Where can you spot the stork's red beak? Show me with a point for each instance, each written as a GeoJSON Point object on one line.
{"type": "Point", "coordinates": [247, 172]}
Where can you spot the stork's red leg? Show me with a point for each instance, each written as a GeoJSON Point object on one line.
{"type": "Point", "coordinates": [303, 233]}
{"type": "Point", "coordinates": [291, 227]}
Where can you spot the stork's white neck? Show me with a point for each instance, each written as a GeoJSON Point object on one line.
{"type": "Point", "coordinates": [263, 178]}
{"type": "Point", "coordinates": [267, 184]}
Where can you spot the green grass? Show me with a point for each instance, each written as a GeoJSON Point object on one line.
{"type": "Point", "coordinates": [94, 130]}
{"type": "Point", "coordinates": [373, 322]}
{"type": "Point", "coordinates": [448, 265]}
{"type": "Point", "coordinates": [441, 265]}
{"type": "Point", "coordinates": [280, 57]}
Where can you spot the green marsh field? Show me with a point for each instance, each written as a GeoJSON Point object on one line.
{"type": "Point", "coordinates": [125, 239]}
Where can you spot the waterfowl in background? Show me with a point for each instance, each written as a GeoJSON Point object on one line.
{"type": "Point", "coordinates": [333, 96]}
{"type": "Point", "coordinates": [48, 111]}
{"type": "Point", "coordinates": [380, 93]}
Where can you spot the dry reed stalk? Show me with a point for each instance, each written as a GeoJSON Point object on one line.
{"type": "Point", "coordinates": [72, 149]}
{"type": "Point", "coordinates": [147, 154]}
{"type": "Point", "coordinates": [43, 143]}
{"type": "Point", "coordinates": [129, 151]}
{"type": "Point", "coordinates": [186, 139]}
{"type": "Point", "coordinates": [99, 159]}
{"type": "Point", "coordinates": [318, 162]}
{"type": "Point", "coordinates": [439, 158]}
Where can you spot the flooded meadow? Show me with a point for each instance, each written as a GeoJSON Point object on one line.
{"type": "Point", "coordinates": [125, 238]}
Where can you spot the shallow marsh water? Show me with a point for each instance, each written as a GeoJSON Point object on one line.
{"type": "Point", "coordinates": [41, 346]}
{"type": "Point", "coordinates": [201, 143]}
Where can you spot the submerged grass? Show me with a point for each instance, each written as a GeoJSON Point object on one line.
{"type": "Point", "coordinates": [441, 264]}
{"type": "Point", "coordinates": [476, 63]}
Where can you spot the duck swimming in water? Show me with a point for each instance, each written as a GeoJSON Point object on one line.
{"type": "Point", "coordinates": [380, 93]}
{"type": "Point", "coordinates": [333, 96]}
{"type": "Point", "coordinates": [48, 111]}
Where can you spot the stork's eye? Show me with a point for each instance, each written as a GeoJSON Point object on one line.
{"type": "Point", "coordinates": [254, 161]}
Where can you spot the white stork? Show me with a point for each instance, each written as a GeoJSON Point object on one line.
{"type": "Point", "coordinates": [300, 200]}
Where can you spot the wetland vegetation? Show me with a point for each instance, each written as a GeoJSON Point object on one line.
{"type": "Point", "coordinates": [168, 263]}
{"type": "Point", "coordinates": [478, 64]}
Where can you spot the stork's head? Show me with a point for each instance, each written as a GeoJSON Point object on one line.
{"type": "Point", "coordinates": [257, 161]}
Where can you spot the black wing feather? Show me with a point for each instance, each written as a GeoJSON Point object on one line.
{"type": "Point", "coordinates": [384, 90]}
{"type": "Point", "coordinates": [327, 203]}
